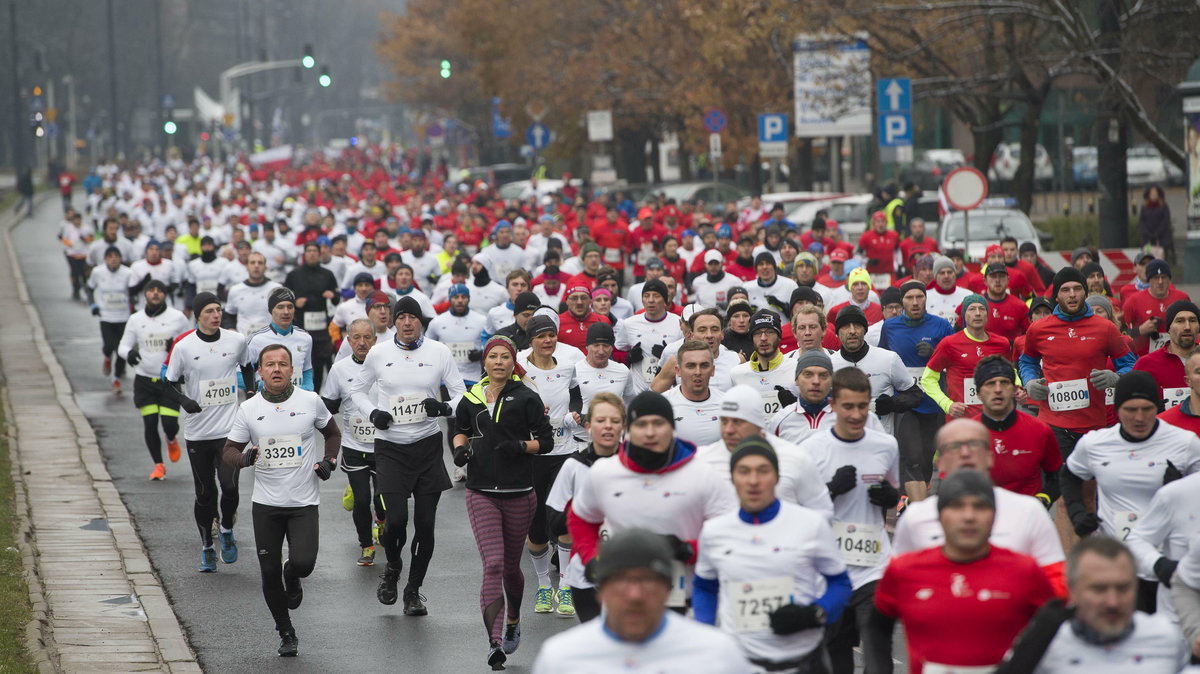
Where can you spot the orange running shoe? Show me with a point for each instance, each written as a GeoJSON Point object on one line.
{"type": "Point", "coordinates": [173, 449]}
{"type": "Point", "coordinates": [159, 473]}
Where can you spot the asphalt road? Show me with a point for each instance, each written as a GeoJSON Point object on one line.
{"type": "Point", "coordinates": [341, 626]}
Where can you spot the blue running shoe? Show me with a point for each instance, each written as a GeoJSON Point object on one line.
{"type": "Point", "coordinates": [228, 547]}
{"type": "Point", "coordinates": [208, 560]}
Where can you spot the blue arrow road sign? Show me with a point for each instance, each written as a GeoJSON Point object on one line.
{"type": "Point", "coordinates": [715, 120]}
{"type": "Point", "coordinates": [538, 136]}
{"type": "Point", "coordinates": [772, 128]}
{"type": "Point", "coordinates": [893, 97]}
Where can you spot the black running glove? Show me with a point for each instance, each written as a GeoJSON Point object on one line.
{"type": "Point", "coordinates": [1169, 475]}
{"type": "Point", "coordinates": [381, 419]}
{"type": "Point", "coordinates": [883, 494]}
{"type": "Point", "coordinates": [924, 349]}
{"type": "Point", "coordinates": [1164, 568]}
{"type": "Point", "coordinates": [843, 481]}
{"type": "Point", "coordinates": [436, 408]}
{"type": "Point", "coordinates": [190, 406]}
{"type": "Point", "coordinates": [793, 618]}
{"type": "Point", "coordinates": [681, 550]}
{"type": "Point", "coordinates": [474, 355]}
{"type": "Point", "coordinates": [134, 356]}
{"type": "Point", "coordinates": [633, 355]}
{"type": "Point", "coordinates": [461, 454]}
{"type": "Point", "coordinates": [657, 349]}
{"type": "Point", "coordinates": [786, 397]}
{"type": "Point", "coordinates": [1085, 523]}
{"type": "Point", "coordinates": [884, 404]}
{"type": "Point", "coordinates": [324, 469]}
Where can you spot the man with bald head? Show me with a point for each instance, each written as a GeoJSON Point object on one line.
{"type": "Point", "coordinates": [1021, 525]}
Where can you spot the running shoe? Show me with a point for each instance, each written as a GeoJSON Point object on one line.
{"type": "Point", "coordinates": [387, 593]}
{"type": "Point", "coordinates": [566, 602]}
{"type": "Point", "coordinates": [173, 450]}
{"type": "Point", "coordinates": [368, 557]}
{"type": "Point", "coordinates": [228, 547]}
{"type": "Point", "coordinates": [460, 473]}
{"type": "Point", "coordinates": [377, 532]}
{"type": "Point", "coordinates": [496, 657]}
{"type": "Point", "coordinates": [545, 600]}
{"type": "Point", "coordinates": [413, 602]}
{"type": "Point", "coordinates": [107, 368]}
{"type": "Point", "coordinates": [348, 499]}
{"type": "Point", "coordinates": [289, 645]}
{"type": "Point", "coordinates": [208, 559]}
{"type": "Point", "coordinates": [159, 472]}
{"type": "Point", "coordinates": [512, 637]}
{"type": "Point", "coordinates": [291, 587]}
{"type": "Point", "coordinates": [116, 386]}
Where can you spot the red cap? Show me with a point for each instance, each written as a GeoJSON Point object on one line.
{"type": "Point", "coordinates": [839, 255]}
{"type": "Point", "coordinates": [831, 225]}
{"type": "Point", "coordinates": [645, 212]}
{"type": "Point", "coordinates": [578, 288]}
{"type": "Point", "coordinates": [993, 249]}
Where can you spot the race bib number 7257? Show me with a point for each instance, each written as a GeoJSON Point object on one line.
{"type": "Point", "coordinates": [751, 602]}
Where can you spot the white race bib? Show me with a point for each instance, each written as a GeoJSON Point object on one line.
{"type": "Point", "coordinates": [612, 255]}
{"type": "Point", "coordinates": [1068, 395]}
{"type": "Point", "coordinates": [721, 297]}
{"type": "Point", "coordinates": [678, 596]}
{"type": "Point", "coordinates": [649, 368]}
{"type": "Point", "coordinates": [559, 428]}
{"type": "Point", "coordinates": [460, 351]}
{"type": "Point", "coordinates": [970, 392]}
{"type": "Point", "coordinates": [859, 544]}
{"type": "Point", "coordinates": [645, 253]}
{"type": "Point", "coordinates": [315, 321]}
{"type": "Point", "coordinates": [1110, 396]}
{"type": "Point", "coordinates": [771, 403]}
{"type": "Point", "coordinates": [208, 286]}
{"type": "Point", "coordinates": [1124, 521]}
{"type": "Point", "coordinates": [154, 343]}
{"type": "Point", "coordinates": [751, 602]}
{"type": "Point", "coordinates": [360, 429]}
{"type": "Point", "coordinates": [1172, 397]}
{"type": "Point", "coordinates": [114, 300]}
{"type": "Point", "coordinates": [407, 409]}
{"type": "Point", "coordinates": [215, 392]}
{"type": "Point", "coordinates": [281, 451]}
{"type": "Point", "coordinates": [916, 373]}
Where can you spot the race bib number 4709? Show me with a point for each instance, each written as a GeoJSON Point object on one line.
{"type": "Point", "coordinates": [215, 392]}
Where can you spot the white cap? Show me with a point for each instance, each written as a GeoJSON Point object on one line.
{"type": "Point", "coordinates": [745, 403]}
{"type": "Point", "coordinates": [713, 255]}
{"type": "Point", "coordinates": [689, 310]}
{"type": "Point", "coordinates": [547, 311]}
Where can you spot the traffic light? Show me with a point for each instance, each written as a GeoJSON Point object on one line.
{"type": "Point", "coordinates": [324, 79]}
{"type": "Point", "coordinates": [38, 124]}
{"type": "Point", "coordinates": [307, 60]}
{"type": "Point", "coordinates": [37, 90]}
{"type": "Point", "coordinates": [445, 69]}
{"type": "Point", "coordinates": [170, 127]}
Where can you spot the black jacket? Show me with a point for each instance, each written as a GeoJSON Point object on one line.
{"type": "Point", "coordinates": [519, 415]}
{"type": "Point", "coordinates": [312, 282]}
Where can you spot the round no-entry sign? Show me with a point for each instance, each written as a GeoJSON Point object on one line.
{"type": "Point", "coordinates": [965, 188]}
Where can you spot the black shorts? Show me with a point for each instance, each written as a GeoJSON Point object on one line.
{"type": "Point", "coordinates": [148, 396]}
{"type": "Point", "coordinates": [413, 468]}
{"type": "Point", "coordinates": [354, 460]}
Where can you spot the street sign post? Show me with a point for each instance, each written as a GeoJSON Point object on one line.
{"type": "Point", "coordinates": [715, 120]}
{"type": "Point", "coordinates": [600, 126]}
{"type": "Point", "coordinates": [435, 134]}
{"type": "Point", "coordinates": [772, 136]}
{"type": "Point", "coordinates": [894, 99]}
{"type": "Point", "coordinates": [538, 136]}
{"type": "Point", "coordinates": [965, 188]}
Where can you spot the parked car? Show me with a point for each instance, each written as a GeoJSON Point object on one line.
{"type": "Point", "coordinates": [1144, 165]}
{"type": "Point", "coordinates": [715, 196]}
{"type": "Point", "coordinates": [1007, 158]}
{"type": "Point", "coordinates": [792, 199]}
{"type": "Point", "coordinates": [496, 174]}
{"type": "Point", "coordinates": [931, 168]}
{"type": "Point", "coordinates": [545, 186]}
{"type": "Point", "coordinates": [1085, 167]}
{"type": "Point", "coordinates": [988, 224]}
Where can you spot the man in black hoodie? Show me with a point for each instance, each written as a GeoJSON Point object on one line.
{"type": "Point", "coordinates": [316, 291]}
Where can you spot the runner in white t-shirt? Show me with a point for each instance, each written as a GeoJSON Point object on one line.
{"type": "Point", "coordinates": [247, 303]}
{"type": "Point", "coordinates": [696, 404]}
{"type": "Point", "coordinates": [276, 433]}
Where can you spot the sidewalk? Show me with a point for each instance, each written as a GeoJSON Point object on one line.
{"type": "Point", "coordinates": [97, 604]}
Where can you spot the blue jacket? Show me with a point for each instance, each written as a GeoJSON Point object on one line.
{"type": "Point", "coordinates": [902, 335]}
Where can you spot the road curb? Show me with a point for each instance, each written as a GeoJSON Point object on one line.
{"type": "Point", "coordinates": [173, 651]}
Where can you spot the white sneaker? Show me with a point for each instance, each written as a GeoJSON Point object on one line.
{"type": "Point", "coordinates": [460, 474]}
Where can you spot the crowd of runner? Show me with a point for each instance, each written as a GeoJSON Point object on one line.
{"type": "Point", "coordinates": [727, 442]}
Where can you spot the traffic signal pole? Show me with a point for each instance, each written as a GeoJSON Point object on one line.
{"type": "Point", "coordinates": [19, 127]}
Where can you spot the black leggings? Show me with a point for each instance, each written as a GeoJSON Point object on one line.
{"type": "Point", "coordinates": [272, 524]}
{"type": "Point", "coordinates": [545, 470]}
{"type": "Point", "coordinates": [587, 604]}
{"type": "Point", "coordinates": [78, 270]}
{"type": "Point", "coordinates": [360, 471]}
{"type": "Point", "coordinates": [207, 470]}
{"type": "Point", "coordinates": [395, 533]}
{"type": "Point", "coordinates": [170, 426]}
{"type": "Point", "coordinates": [110, 337]}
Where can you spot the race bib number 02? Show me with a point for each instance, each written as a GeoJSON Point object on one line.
{"type": "Point", "coordinates": [407, 409]}
{"type": "Point", "coordinates": [214, 392]}
{"type": "Point", "coordinates": [751, 602]}
{"type": "Point", "coordinates": [1069, 395]}
{"type": "Point", "coordinates": [859, 544]}
{"type": "Point", "coordinates": [770, 403]}
{"type": "Point", "coordinates": [281, 451]}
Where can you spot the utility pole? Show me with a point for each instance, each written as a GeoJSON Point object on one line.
{"type": "Point", "coordinates": [159, 93]}
{"type": "Point", "coordinates": [1112, 136]}
{"type": "Point", "coordinates": [72, 121]}
{"type": "Point", "coordinates": [19, 128]}
{"type": "Point", "coordinates": [114, 124]}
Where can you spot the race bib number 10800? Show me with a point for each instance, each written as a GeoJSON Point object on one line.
{"type": "Point", "coordinates": [1069, 395]}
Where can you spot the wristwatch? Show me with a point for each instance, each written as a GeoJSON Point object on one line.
{"type": "Point", "coordinates": [822, 616]}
